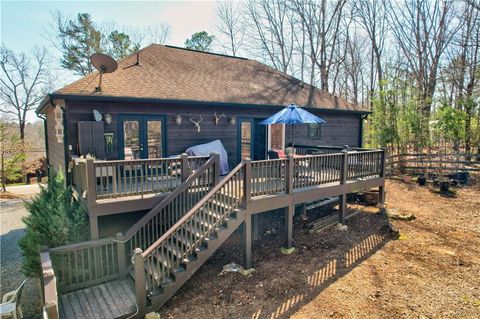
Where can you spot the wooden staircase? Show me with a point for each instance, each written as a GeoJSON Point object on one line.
{"type": "Point", "coordinates": [166, 265]}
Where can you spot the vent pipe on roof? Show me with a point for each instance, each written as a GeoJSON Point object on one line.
{"type": "Point", "coordinates": [138, 59]}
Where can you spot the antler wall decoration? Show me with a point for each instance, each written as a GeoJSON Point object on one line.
{"type": "Point", "coordinates": [196, 122]}
{"type": "Point", "coordinates": [217, 117]}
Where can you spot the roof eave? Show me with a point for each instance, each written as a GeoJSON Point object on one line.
{"type": "Point", "coordinates": [100, 98]}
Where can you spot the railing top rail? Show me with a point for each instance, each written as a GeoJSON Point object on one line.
{"type": "Point", "coordinates": [192, 211]}
{"type": "Point", "coordinates": [139, 224]}
{"type": "Point", "coordinates": [82, 245]}
{"type": "Point", "coordinates": [270, 160]}
{"type": "Point", "coordinates": [142, 160]}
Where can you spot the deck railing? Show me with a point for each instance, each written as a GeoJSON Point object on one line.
{"type": "Point", "coordinates": [269, 176]}
{"type": "Point", "coordinates": [365, 164]}
{"type": "Point", "coordinates": [170, 210]}
{"type": "Point", "coordinates": [273, 176]}
{"type": "Point", "coordinates": [95, 180]}
{"type": "Point", "coordinates": [93, 262]}
{"type": "Point", "coordinates": [86, 264]}
{"type": "Point", "coordinates": [187, 235]}
{"type": "Point", "coordinates": [317, 169]}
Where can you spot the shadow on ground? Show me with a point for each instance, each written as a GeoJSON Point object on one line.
{"type": "Point", "coordinates": [281, 284]}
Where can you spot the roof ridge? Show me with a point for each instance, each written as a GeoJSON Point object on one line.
{"type": "Point", "coordinates": [204, 52]}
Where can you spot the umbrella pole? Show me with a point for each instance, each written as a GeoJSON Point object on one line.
{"type": "Point", "coordinates": [293, 141]}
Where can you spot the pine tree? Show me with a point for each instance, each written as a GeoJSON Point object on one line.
{"type": "Point", "coordinates": [55, 219]}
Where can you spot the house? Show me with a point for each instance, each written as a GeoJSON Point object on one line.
{"type": "Point", "coordinates": [158, 93]}
{"type": "Point", "coordinates": [174, 210]}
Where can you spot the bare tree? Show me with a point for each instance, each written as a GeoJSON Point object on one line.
{"type": "Point", "coordinates": [423, 29]}
{"type": "Point", "coordinates": [157, 33]}
{"type": "Point", "coordinates": [322, 24]}
{"type": "Point", "coordinates": [272, 35]}
{"type": "Point", "coordinates": [25, 81]}
{"type": "Point", "coordinates": [461, 74]}
{"type": "Point", "coordinates": [373, 18]}
{"type": "Point", "coordinates": [231, 25]}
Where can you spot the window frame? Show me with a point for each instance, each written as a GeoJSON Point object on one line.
{"type": "Point", "coordinates": [317, 128]}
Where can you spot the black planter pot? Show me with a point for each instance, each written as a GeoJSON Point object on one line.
{"type": "Point", "coordinates": [444, 186]}
{"type": "Point", "coordinates": [422, 180]}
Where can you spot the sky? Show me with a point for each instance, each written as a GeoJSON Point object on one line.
{"type": "Point", "coordinates": [25, 23]}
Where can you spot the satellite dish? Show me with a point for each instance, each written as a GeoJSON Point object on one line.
{"type": "Point", "coordinates": [104, 64]}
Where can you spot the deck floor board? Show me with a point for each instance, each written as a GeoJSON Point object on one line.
{"type": "Point", "coordinates": [111, 300]}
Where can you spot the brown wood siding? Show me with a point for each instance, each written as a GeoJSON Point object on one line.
{"type": "Point", "coordinates": [56, 150]}
{"type": "Point", "coordinates": [341, 128]}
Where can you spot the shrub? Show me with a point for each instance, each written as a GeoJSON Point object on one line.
{"type": "Point", "coordinates": [55, 219]}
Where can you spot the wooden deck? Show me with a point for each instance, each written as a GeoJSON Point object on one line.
{"type": "Point", "coordinates": [115, 299]}
{"type": "Point", "coordinates": [190, 224]}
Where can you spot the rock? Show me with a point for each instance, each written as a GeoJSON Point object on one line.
{"type": "Point", "coordinates": [152, 315]}
{"type": "Point", "coordinates": [341, 227]}
{"type": "Point", "coordinates": [247, 272]}
{"type": "Point", "coordinates": [287, 251]}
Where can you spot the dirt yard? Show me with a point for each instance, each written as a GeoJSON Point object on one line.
{"type": "Point", "coordinates": [431, 271]}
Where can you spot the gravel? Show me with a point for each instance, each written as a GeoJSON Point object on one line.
{"type": "Point", "coordinates": [12, 230]}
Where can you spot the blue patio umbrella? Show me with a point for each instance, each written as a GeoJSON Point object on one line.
{"type": "Point", "coordinates": [293, 115]}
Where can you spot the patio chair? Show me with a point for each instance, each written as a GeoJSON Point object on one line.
{"type": "Point", "coordinates": [11, 303]}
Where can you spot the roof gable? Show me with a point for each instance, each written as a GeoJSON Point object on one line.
{"type": "Point", "coordinates": [172, 73]}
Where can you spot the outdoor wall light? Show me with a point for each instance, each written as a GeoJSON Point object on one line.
{"type": "Point", "coordinates": [108, 118]}
{"type": "Point", "coordinates": [233, 120]}
{"type": "Point", "coordinates": [178, 119]}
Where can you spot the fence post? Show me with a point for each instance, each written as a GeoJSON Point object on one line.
{"type": "Point", "coordinates": [247, 182]}
{"type": "Point", "coordinates": [140, 288]}
{"type": "Point", "coordinates": [289, 174]}
{"type": "Point", "coordinates": [185, 168]}
{"type": "Point", "coordinates": [343, 180]}
{"type": "Point", "coordinates": [91, 182]}
{"type": "Point", "coordinates": [216, 168]}
{"type": "Point", "coordinates": [122, 262]}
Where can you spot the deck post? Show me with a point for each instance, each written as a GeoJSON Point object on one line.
{"type": "Point", "coordinates": [381, 189]}
{"type": "Point", "coordinates": [122, 261]}
{"type": "Point", "coordinates": [255, 227]}
{"type": "Point", "coordinates": [290, 174]}
{"type": "Point", "coordinates": [247, 182]}
{"type": "Point", "coordinates": [185, 168]}
{"type": "Point", "coordinates": [216, 168]}
{"type": "Point", "coordinates": [304, 211]}
{"type": "Point", "coordinates": [289, 212]}
{"type": "Point", "coordinates": [140, 288]}
{"type": "Point", "coordinates": [50, 295]}
{"type": "Point", "coordinates": [247, 237]}
{"type": "Point", "coordinates": [343, 180]}
{"type": "Point", "coordinates": [91, 182]}
{"type": "Point", "coordinates": [93, 227]}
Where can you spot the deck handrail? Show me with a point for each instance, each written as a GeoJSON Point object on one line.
{"type": "Point", "coordinates": [192, 211]}
{"type": "Point", "coordinates": [92, 262]}
{"type": "Point", "coordinates": [213, 209]}
{"type": "Point", "coordinates": [120, 178]}
{"type": "Point", "coordinates": [201, 181]}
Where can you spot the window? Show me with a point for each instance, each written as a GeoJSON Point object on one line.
{"type": "Point", "coordinates": [314, 131]}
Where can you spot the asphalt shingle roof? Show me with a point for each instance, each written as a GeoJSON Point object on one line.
{"type": "Point", "coordinates": [178, 74]}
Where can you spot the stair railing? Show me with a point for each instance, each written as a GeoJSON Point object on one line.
{"type": "Point", "coordinates": [166, 213]}
{"type": "Point", "coordinates": [187, 235]}
{"type": "Point", "coordinates": [93, 262]}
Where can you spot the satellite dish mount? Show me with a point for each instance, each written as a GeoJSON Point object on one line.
{"type": "Point", "coordinates": [104, 64]}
